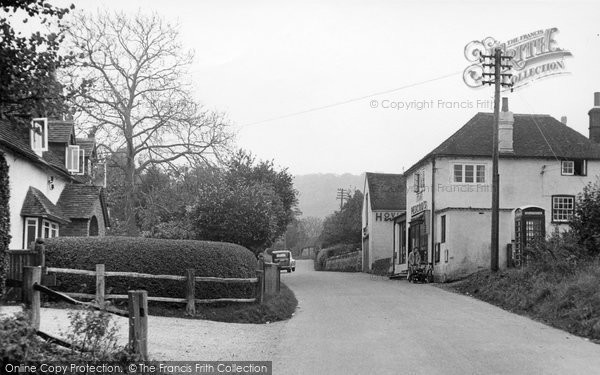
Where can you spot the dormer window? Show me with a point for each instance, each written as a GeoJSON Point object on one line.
{"type": "Point", "coordinates": [73, 158]}
{"type": "Point", "coordinates": [38, 135]}
{"type": "Point", "coordinates": [573, 168]}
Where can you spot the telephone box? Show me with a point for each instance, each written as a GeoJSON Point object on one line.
{"type": "Point", "coordinates": [530, 229]}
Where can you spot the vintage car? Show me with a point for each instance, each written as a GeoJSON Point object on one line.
{"type": "Point", "coordinates": [284, 260]}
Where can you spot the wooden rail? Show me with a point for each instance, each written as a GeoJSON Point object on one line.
{"type": "Point", "coordinates": [137, 311]}
{"type": "Point", "coordinates": [101, 274]}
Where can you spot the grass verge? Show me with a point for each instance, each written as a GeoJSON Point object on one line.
{"type": "Point", "coordinates": [564, 296]}
{"type": "Point", "coordinates": [275, 309]}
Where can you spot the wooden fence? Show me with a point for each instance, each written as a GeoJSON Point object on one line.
{"type": "Point", "coordinates": [137, 311]}
{"type": "Point", "coordinates": [190, 281]}
{"type": "Point", "coordinates": [267, 279]}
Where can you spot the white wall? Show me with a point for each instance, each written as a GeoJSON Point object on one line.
{"type": "Point", "coordinates": [522, 182]}
{"type": "Point", "coordinates": [23, 174]}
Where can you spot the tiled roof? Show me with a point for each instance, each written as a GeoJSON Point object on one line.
{"type": "Point", "coordinates": [534, 136]}
{"type": "Point", "coordinates": [38, 205]}
{"type": "Point", "coordinates": [386, 191]}
{"type": "Point", "coordinates": [77, 201]}
{"type": "Point", "coordinates": [16, 139]}
{"type": "Point", "coordinates": [60, 131]}
{"type": "Point", "coordinates": [87, 144]}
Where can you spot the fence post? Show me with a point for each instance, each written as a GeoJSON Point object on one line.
{"type": "Point", "coordinates": [32, 275]}
{"type": "Point", "coordinates": [138, 323]}
{"type": "Point", "coordinates": [190, 293]}
{"type": "Point", "coordinates": [278, 281]}
{"type": "Point", "coordinates": [40, 248]}
{"type": "Point", "coordinates": [100, 284]}
{"type": "Point", "coordinates": [260, 286]}
{"type": "Point", "coordinates": [260, 275]}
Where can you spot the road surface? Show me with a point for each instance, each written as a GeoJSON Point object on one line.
{"type": "Point", "coordinates": [353, 323]}
{"type": "Point", "coordinates": [350, 323]}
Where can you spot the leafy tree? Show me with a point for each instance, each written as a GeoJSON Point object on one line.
{"type": "Point", "coordinates": [236, 210]}
{"type": "Point", "coordinates": [243, 165]}
{"type": "Point", "coordinates": [28, 62]}
{"type": "Point", "coordinates": [4, 221]}
{"type": "Point", "coordinates": [303, 232]}
{"type": "Point", "coordinates": [344, 226]}
{"type": "Point", "coordinates": [585, 223]}
{"type": "Point", "coordinates": [136, 95]}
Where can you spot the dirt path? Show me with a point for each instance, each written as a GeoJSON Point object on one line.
{"type": "Point", "coordinates": [350, 323]}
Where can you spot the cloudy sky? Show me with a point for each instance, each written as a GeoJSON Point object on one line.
{"type": "Point", "coordinates": [311, 84]}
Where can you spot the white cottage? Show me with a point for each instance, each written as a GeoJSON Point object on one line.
{"type": "Point", "coordinates": [384, 199]}
{"type": "Point", "coordinates": [543, 165]}
{"type": "Point", "coordinates": [51, 182]}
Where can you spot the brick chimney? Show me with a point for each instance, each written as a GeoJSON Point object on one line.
{"type": "Point", "coordinates": [505, 129]}
{"type": "Point", "coordinates": [563, 119]}
{"type": "Point", "coordinates": [594, 114]}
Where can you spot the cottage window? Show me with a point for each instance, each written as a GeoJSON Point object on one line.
{"type": "Point", "coordinates": [469, 173]}
{"type": "Point", "coordinates": [31, 230]}
{"type": "Point", "coordinates": [419, 182]}
{"type": "Point", "coordinates": [38, 134]}
{"type": "Point", "coordinates": [458, 173]}
{"type": "Point", "coordinates": [574, 168]}
{"type": "Point", "coordinates": [81, 162]}
{"type": "Point", "coordinates": [443, 228]}
{"type": "Point", "coordinates": [480, 176]}
{"type": "Point", "coordinates": [49, 229]}
{"type": "Point", "coordinates": [72, 158]}
{"type": "Point", "coordinates": [562, 208]}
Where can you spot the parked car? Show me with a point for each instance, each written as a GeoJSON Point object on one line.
{"type": "Point", "coordinates": [284, 260]}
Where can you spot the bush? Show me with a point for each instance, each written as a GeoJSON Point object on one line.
{"type": "Point", "coordinates": [4, 221]}
{"type": "Point", "coordinates": [20, 345]}
{"type": "Point", "coordinates": [153, 256]}
{"type": "Point", "coordinates": [586, 218]}
{"type": "Point", "coordinates": [332, 251]}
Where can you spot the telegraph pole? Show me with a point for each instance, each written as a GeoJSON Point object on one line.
{"type": "Point", "coordinates": [499, 81]}
{"type": "Point", "coordinates": [341, 195]}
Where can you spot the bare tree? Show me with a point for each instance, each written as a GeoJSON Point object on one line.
{"type": "Point", "coordinates": [137, 96]}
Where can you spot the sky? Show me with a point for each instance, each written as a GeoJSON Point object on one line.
{"type": "Point", "coordinates": [311, 84]}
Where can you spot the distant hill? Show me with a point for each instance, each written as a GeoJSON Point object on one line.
{"type": "Point", "coordinates": [317, 192]}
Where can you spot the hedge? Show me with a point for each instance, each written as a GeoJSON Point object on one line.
{"type": "Point", "coordinates": [153, 256]}
{"type": "Point", "coordinates": [332, 251]}
{"type": "Point", "coordinates": [4, 221]}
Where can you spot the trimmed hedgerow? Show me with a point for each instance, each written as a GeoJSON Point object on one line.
{"type": "Point", "coordinates": [4, 221]}
{"type": "Point", "coordinates": [332, 251]}
{"type": "Point", "coordinates": [153, 256]}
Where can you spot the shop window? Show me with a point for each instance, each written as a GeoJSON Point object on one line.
{"type": "Point", "coordinates": [562, 208]}
{"type": "Point", "coordinates": [574, 168]}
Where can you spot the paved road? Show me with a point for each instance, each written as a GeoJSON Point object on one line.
{"type": "Point", "coordinates": [350, 323]}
